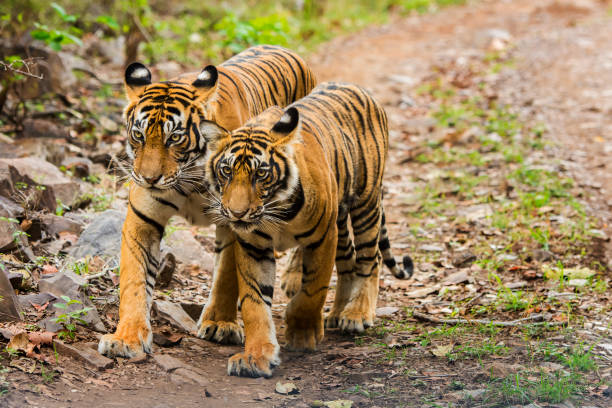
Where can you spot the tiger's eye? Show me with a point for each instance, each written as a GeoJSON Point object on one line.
{"type": "Point", "coordinates": [226, 170]}
{"type": "Point", "coordinates": [262, 173]}
{"type": "Point", "coordinates": [175, 137]}
{"type": "Point", "coordinates": [138, 135]}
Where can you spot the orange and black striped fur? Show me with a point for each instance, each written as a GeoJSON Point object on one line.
{"type": "Point", "coordinates": [296, 178]}
{"type": "Point", "coordinates": [167, 125]}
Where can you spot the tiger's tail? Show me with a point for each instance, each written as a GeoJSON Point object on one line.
{"type": "Point", "coordinates": [385, 247]}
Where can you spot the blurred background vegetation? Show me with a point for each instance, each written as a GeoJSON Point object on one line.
{"type": "Point", "coordinates": [192, 31]}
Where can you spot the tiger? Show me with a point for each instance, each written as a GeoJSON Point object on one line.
{"type": "Point", "coordinates": [308, 176]}
{"type": "Point", "coordinates": [167, 123]}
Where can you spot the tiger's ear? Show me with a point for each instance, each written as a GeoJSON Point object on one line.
{"type": "Point", "coordinates": [286, 128]}
{"type": "Point", "coordinates": [212, 133]}
{"type": "Point", "coordinates": [206, 82]}
{"type": "Point", "coordinates": [137, 77]}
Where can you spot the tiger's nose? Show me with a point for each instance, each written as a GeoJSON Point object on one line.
{"type": "Point", "coordinates": [152, 180]}
{"type": "Point", "coordinates": [238, 213]}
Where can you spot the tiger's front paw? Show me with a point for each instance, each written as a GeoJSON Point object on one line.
{"type": "Point", "coordinates": [221, 332]}
{"type": "Point", "coordinates": [124, 343]}
{"type": "Point", "coordinates": [354, 321]}
{"type": "Point", "coordinates": [257, 361]}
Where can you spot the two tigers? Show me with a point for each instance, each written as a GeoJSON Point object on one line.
{"type": "Point", "coordinates": [215, 147]}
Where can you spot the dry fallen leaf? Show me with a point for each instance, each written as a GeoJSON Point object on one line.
{"type": "Point", "coordinates": [38, 338]}
{"type": "Point", "coordinates": [442, 351]}
{"type": "Point", "coordinates": [20, 342]}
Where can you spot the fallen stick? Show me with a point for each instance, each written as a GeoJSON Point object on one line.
{"type": "Point", "coordinates": [536, 319]}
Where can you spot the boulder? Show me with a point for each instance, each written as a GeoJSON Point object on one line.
{"type": "Point", "coordinates": [42, 173]}
{"type": "Point", "coordinates": [10, 310]}
{"type": "Point", "coordinates": [66, 283]}
{"type": "Point", "coordinates": [102, 237]}
{"type": "Point", "coordinates": [175, 314]}
{"type": "Point", "coordinates": [187, 250]}
{"type": "Point", "coordinates": [53, 225]}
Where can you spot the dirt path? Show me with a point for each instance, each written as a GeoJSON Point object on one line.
{"type": "Point", "coordinates": [559, 74]}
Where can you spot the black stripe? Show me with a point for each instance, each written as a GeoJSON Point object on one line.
{"type": "Point", "coordinates": [165, 202]}
{"type": "Point", "coordinates": [147, 220]}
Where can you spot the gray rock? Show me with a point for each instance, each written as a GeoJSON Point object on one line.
{"type": "Point", "coordinates": [102, 237]}
{"type": "Point", "coordinates": [175, 315]}
{"type": "Point", "coordinates": [387, 311]}
{"type": "Point", "coordinates": [26, 301]}
{"type": "Point", "coordinates": [84, 354]}
{"type": "Point", "coordinates": [46, 174]}
{"type": "Point", "coordinates": [185, 376]}
{"type": "Point", "coordinates": [541, 255]}
{"type": "Point", "coordinates": [43, 128]}
{"type": "Point", "coordinates": [54, 224]}
{"type": "Point", "coordinates": [431, 248]}
{"type": "Point", "coordinates": [10, 310]}
{"type": "Point", "coordinates": [67, 283]}
{"type": "Point", "coordinates": [188, 250]}
{"type": "Point", "coordinates": [168, 363]}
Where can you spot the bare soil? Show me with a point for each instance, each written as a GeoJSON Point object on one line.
{"type": "Point", "coordinates": [561, 76]}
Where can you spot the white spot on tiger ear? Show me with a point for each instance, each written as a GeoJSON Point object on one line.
{"type": "Point", "coordinates": [204, 76]}
{"type": "Point", "coordinates": [140, 73]}
{"type": "Point", "coordinates": [286, 119]}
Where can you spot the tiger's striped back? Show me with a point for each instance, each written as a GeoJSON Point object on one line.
{"type": "Point", "coordinates": [271, 75]}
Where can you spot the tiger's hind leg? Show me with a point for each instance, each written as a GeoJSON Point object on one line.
{"type": "Point", "coordinates": [345, 264]}
{"type": "Point", "coordinates": [218, 321]}
{"type": "Point", "coordinates": [291, 278]}
{"type": "Point", "coordinates": [359, 312]}
{"type": "Point", "coordinates": [304, 313]}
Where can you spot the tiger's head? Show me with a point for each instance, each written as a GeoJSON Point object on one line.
{"type": "Point", "coordinates": [253, 172]}
{"type": "Point", "coordinates": [165, 121]}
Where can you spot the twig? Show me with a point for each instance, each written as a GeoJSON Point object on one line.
{"type": "Point", "coordinates": [533, 319]}
{"type": "Point", "coordinates": [96, 275]}
{"type": "Point", "coordinates": [26, 63]}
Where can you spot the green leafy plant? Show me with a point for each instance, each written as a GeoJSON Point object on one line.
{"type": "Point", "coordinates": [239, 34]}
{"type": "Point", "coordinates": [70, 317]}
{"type": "Point", "coordinates": [56, 38]}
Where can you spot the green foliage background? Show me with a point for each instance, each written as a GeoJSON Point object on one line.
{"type": "Point", "coordinates": [191, 31]}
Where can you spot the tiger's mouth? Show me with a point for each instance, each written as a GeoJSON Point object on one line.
{"type": "Point", "coordinates": [243, 226]}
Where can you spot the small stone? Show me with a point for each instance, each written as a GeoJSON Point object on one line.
{"type": "Point", "coordinates": [431, 248]}
{"type": "Point", "coordinates": [577, 282]}
{"type": "Point", "coordinates": [387, 311]}
{"type": "Point", "coordinates": [463, 259]}
{"type": "Point", "coordinates": [502, 370]}
{"type": "Point", "coordinates": [139, 359]}
{"type": "Point", "coordinates": [53, 225]}
{"type": "Point", "coordinates": [541, 255]}
{"type": "Point", "coordinates": [185, 376]}
{"type": "Point", "coordinates": [286, 388]}
{"type": "Point", "coordinates": [85, 354]}
{"type": "Point", "coordinates": [456, 278]}
{"type": "Point", "coordinates": [507, 257]}
{"type": "Point", "coordinates": [175, 314]}
{"type": "Point", "coordinates": [79, 166]}
{"type": "Point", "coordinates": [168, 363]}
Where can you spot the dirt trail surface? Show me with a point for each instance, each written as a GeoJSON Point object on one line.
{"type": "Point", "coordinates": [446, 181]}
